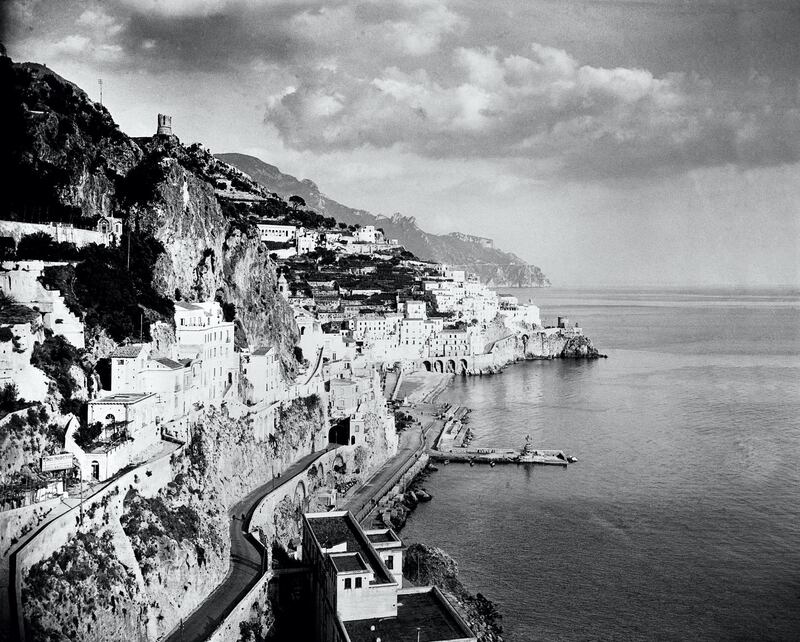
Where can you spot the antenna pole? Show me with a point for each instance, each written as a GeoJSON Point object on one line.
{"type": "Point", "coordinates": [100, 84]}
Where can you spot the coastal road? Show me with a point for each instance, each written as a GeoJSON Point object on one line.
{"type": "Point", "coordinates": [245, 562]}
{"type": "Point", "coordinates": [410, 442]}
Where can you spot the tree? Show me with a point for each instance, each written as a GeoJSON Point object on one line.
{"type": "Point", "coordinates": [297, 201]}
{"type": "Point", "coordinates": [342, 226]}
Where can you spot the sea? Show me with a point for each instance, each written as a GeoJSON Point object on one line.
{"type": "Point", "coordinates": [681, 518]}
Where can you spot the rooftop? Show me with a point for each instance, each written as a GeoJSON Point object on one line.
{"type": "Point", "coordinates": [169, 363]}
{"type": "Point", "coordinates": [383, 536]}
{"type": "Point", "coordinates": [260, 352]}
{"type": "Point", "coordinates": [348, 563]}
{"type": "Point", "coordinates": [185, 305]}
{"type": "Point", "coordinates": [129, 351]}
{"type": "Point", "coordinates": [124, 397]}
{"type": "Point", "coordinates": [333, 529]}
{"type": "Point", "coordinates": [425, 611]}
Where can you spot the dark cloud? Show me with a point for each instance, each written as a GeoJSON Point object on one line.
{"type": "Point", "coordinates": [464, 81]}
{"type": "Point", "coordinates": [544, 106]}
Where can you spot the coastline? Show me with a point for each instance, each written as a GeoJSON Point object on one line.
{"type": "Point", "coordinates": [428, 564]}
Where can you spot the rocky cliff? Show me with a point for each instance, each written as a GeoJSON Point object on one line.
{"type": "Point", "coordinates": [63, 154]}
{"type": "Point", "coordinates": [474, 254]}
{"type": "Point", "coordinates": [430, 565]}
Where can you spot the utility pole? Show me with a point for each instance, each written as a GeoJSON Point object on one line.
{"type": "Point", "coordinates": [100, 84]}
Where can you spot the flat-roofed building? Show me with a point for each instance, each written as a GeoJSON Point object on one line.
{"type": "Point", "coordinates": [357, 598]}
{"type": "Point", "coordinates": [128, 430]}
{"type": "Point", "coordinates": [277, 232]}
{"type": "Point", "coordinates": [202, 333]}
{"type": "Point", "coordinates": [262, 369]}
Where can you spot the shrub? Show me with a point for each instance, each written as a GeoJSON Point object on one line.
{"type": "Point", "coordinates": [55, 357]}
{"type": "Point", "coordinates": [40, 245]}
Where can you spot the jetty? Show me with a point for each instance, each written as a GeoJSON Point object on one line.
{"type": "Point", "coordinates": [450, 446]}
{"type": "Point", "coordinates": [501, 456]}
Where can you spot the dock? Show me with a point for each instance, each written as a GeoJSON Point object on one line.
{"type": "Point", "coordinates": [500, 456]}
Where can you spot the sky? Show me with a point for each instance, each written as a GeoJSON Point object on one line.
{"type": "Point", "coordinates": [610, 142]}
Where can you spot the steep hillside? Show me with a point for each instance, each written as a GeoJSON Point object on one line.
{"type": "Point", "coordinates": [494, 266]}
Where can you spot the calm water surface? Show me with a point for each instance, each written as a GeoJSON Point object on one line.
{"type": "Point", "coordinates": [682, 518]}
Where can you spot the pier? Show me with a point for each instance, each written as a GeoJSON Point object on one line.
{"type": "Point", "coordinates": [452, 445]}
{"type": "Point", "coordinates": [500, 456]}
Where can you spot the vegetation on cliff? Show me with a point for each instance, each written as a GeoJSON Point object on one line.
{"type": "Point", "coordinates": [430, 565]}
{"type": "Point", "coordinates": [81, 592]}
{"type": "Point", "coordinates": [297, 422]}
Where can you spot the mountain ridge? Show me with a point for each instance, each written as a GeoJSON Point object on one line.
{"type": "Point", "coordinates": [475, 254]}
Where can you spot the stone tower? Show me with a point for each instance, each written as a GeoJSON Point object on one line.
{"type": "Point", "coordinates": [283, 286]}
{"type": "Point", "coordinates": [164, 125]}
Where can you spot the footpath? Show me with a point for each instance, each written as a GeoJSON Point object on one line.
{"type": "Point", "coordinates": [246, 565]}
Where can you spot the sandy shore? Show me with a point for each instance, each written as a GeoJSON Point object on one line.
{"type": "Point", "coordinates": [423, 387]}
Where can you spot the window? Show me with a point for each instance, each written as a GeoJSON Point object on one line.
{"type": "Point", "coordinates": [348, 583]}
{"type": "Point", "coordinates": [120, 362]}
{"type": "Point", "coordinates": [390, 562]}
{"type": "Point", "coordinates": [358, 582]}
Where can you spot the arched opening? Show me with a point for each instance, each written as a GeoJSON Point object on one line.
{"type": "Point", "coordinates": [339, 465]}
{"type": "Point", "coordinates": [437, 366]}
{"type": "Point", "coordinates": [111, 426]}
{"type": "Point", "coordinates": [300, 494]}
{"type": "Point", "coordinates": [340, 432]}
{"type": "Point", "coordinates": [353, 440]}
{"type": "Point", "coordinates": [462, 366]}
{"type": "Point", "coordinates": [427, 365]}
{"type": "Point", "coordinates": [451, 365]}
{"type": "Point", "coordinates": [96, 470]}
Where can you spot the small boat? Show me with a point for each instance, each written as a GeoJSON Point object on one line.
{"type": "Point", "coordinates": [471, 462]}
{"type": "Point", "coordinates": [572, 459]}
{"type": "Point", "coordinates": [491, 464]}
{"type": "Point", "coordinates": [446, 461]}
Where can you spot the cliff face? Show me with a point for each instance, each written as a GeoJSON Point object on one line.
{"type": "Point", "coordinates": [494, 266]}
{"type": "Point", "coordinates": [64, 153]}
{"type": "Point", "coordinates": [83, 592]}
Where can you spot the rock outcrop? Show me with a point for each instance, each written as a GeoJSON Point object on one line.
{"type": "Point", "coordinates": [430, 565]}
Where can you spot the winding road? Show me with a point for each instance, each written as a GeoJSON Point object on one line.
{"type": "Point", "coordinates": [245, 561]}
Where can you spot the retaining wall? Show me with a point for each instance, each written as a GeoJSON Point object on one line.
{"type": "Point", "coordinates": [59, 232]}
{"type": "Point", "coordinates": [147, 478]}
{"type": "Point", "coordinates": [229, 630]}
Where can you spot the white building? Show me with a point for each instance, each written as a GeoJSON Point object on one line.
{"type": "Point", "coordinates": [277, 232]}
{"type": "Point", "coordinates": [129, 431]}
{"type": "Point", "coordinates": [262, 369]}
{"type": "Point", "coordinates": [202, 333]}
{"type": "Point", "coordinates": [20, 281]}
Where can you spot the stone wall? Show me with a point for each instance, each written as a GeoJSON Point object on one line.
{"type": "Point", "coordinates": [58, 231]}
{"type": "Point", "coordinates": [148, 479]}
{"type": "Point", "coordinates": [230, 628]}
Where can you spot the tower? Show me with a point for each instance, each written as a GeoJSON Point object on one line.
{"type": "Point", "coordinates": [164, 125]}
{"type": "Point", "coordinates": [283, 286]}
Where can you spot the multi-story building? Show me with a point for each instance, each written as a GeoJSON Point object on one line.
{"type": "Point", "coordinates": [202, 333]}
{"type": "Point", "coordinates": [358, 598]}
{"type": "Point", "coordinates": [263, 371]}
{"type": "Point", "coordinates": [277, 232]}
{"type": "Point", "coordinates": [376, 326]}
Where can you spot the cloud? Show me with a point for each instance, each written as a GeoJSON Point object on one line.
{"type": "Point", "coordinates": [592, 121]}
{"type": "Point", "coordinates": [432, 78]}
